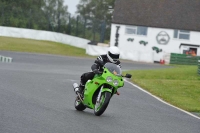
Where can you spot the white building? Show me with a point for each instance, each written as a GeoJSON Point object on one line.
{"type": "Point", "coordinates": [149, 30]}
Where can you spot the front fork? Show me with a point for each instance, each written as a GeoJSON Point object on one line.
{"type": "Point", "coordinates": [101, 91]}
{"type": "Point", "coordinates": [99, 95]}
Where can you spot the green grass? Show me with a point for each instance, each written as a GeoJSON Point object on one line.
{"type": "Point", "coordinates": [35, 46]}
{"type": "Point", "coordinates": [179, 85]}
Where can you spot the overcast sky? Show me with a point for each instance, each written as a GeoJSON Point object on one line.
{"type": "Point", "coordinates": [71, 5]}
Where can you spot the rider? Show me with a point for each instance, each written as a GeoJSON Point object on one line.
{"type": "Point", "coordinates": [112, 56]}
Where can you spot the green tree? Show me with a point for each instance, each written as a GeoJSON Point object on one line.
{"type": "Point", "coordinates": [52, 15]}
{"type": "Point", "coordinates": [36, 14]}
{"type": "Point", "coordinates": [18, 13]}
{"type": "Point", "coordinates": [97, 13]}
{"type": "Point", "coordinates": [56, 14]}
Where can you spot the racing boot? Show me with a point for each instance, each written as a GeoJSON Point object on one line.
{"type": "Point", "coordinates": [81, 88]}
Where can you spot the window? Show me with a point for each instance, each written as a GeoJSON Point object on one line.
{"type": "Point", "coordinates": [182, 34]}
{"type": "Point", "coordinates": [136, 30]}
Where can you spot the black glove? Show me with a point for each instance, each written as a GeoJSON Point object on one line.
{"type": "Point", "coordinates": [99, 62]}
{"type": "Point", "coordinates": [96, 71]}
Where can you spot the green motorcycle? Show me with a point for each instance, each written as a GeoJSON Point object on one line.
{"type": "Point", "coordinates": [100, 89]}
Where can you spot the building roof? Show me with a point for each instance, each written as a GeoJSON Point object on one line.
{"type": "Point", "coordinates": [173, 14]}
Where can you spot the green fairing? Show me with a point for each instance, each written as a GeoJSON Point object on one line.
{"type": "Point", "coordinates": [93, 86]}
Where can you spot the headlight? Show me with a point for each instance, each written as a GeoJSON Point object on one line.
{"type": "Point", "coordinates": [109, 79]}
{"type": "Point", "coordinates": [116, 82]}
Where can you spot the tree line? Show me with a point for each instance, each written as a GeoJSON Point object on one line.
{"type": "Point", "coordinates": [91, 21]}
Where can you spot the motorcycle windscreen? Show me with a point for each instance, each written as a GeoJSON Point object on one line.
{"type": "Point", "coordinates": [113, 68]}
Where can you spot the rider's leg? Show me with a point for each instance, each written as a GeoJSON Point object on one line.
{"type": "Point", "coordinates": [84, 78]}
{"type": "Point", "coordinates": [82, 82]}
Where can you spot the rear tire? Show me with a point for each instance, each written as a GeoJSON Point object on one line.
{"type": "Point", "coordinates": [104, 101]}
{"type": "Point", "coordinates": [79, 105]}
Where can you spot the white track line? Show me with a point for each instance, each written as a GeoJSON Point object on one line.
{"type": "Point", "coordinates": [162, 100]}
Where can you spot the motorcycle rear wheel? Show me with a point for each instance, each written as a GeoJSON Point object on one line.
{"type": "Point", "coordinates": [79, 105]}
{"type": "Point", "coordinates": [104, 101]}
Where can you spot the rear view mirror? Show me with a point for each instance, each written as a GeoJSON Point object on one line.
{"type": "Point", "coordinates": [128, 76]}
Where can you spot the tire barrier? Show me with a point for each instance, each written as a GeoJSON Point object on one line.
{"type": "Point", "coordinates": [5, 59]}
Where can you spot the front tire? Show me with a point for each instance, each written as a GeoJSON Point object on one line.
{"type": "Point", "coordinates": [79, 105]}
{"type": "Point", "coordinates": [104, 101]}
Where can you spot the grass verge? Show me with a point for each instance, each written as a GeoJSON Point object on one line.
{"type": "Point", "coordinates": [35, 46]}
{"type": "Point", "coordinates": [178, 85]}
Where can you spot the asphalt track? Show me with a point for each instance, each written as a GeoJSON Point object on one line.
{"type": "Point", "coordinates": [36, 96]}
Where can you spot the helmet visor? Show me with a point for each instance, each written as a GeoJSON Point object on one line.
{"type": "Point", "coordinates": [114, 56]}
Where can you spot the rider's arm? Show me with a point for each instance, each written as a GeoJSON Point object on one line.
{"type": "Point", "coordinates": [95, 67]}
{"type": "Point", "coordinates": [97, 64]}
{"type": "Point", "coordinates": [118, 63]}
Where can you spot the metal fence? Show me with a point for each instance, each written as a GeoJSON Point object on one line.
{"type": "Point", "coordinates": [183, 59]}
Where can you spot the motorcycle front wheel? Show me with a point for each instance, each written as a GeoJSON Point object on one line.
{"type": "Point", "coordinates": [102, 105]}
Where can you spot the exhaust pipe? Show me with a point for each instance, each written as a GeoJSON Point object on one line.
{"type": "Point", "coordinates": [76, 87]}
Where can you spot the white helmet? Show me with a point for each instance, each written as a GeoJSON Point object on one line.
{"type": "Point", "coordinates": [113, 54]}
